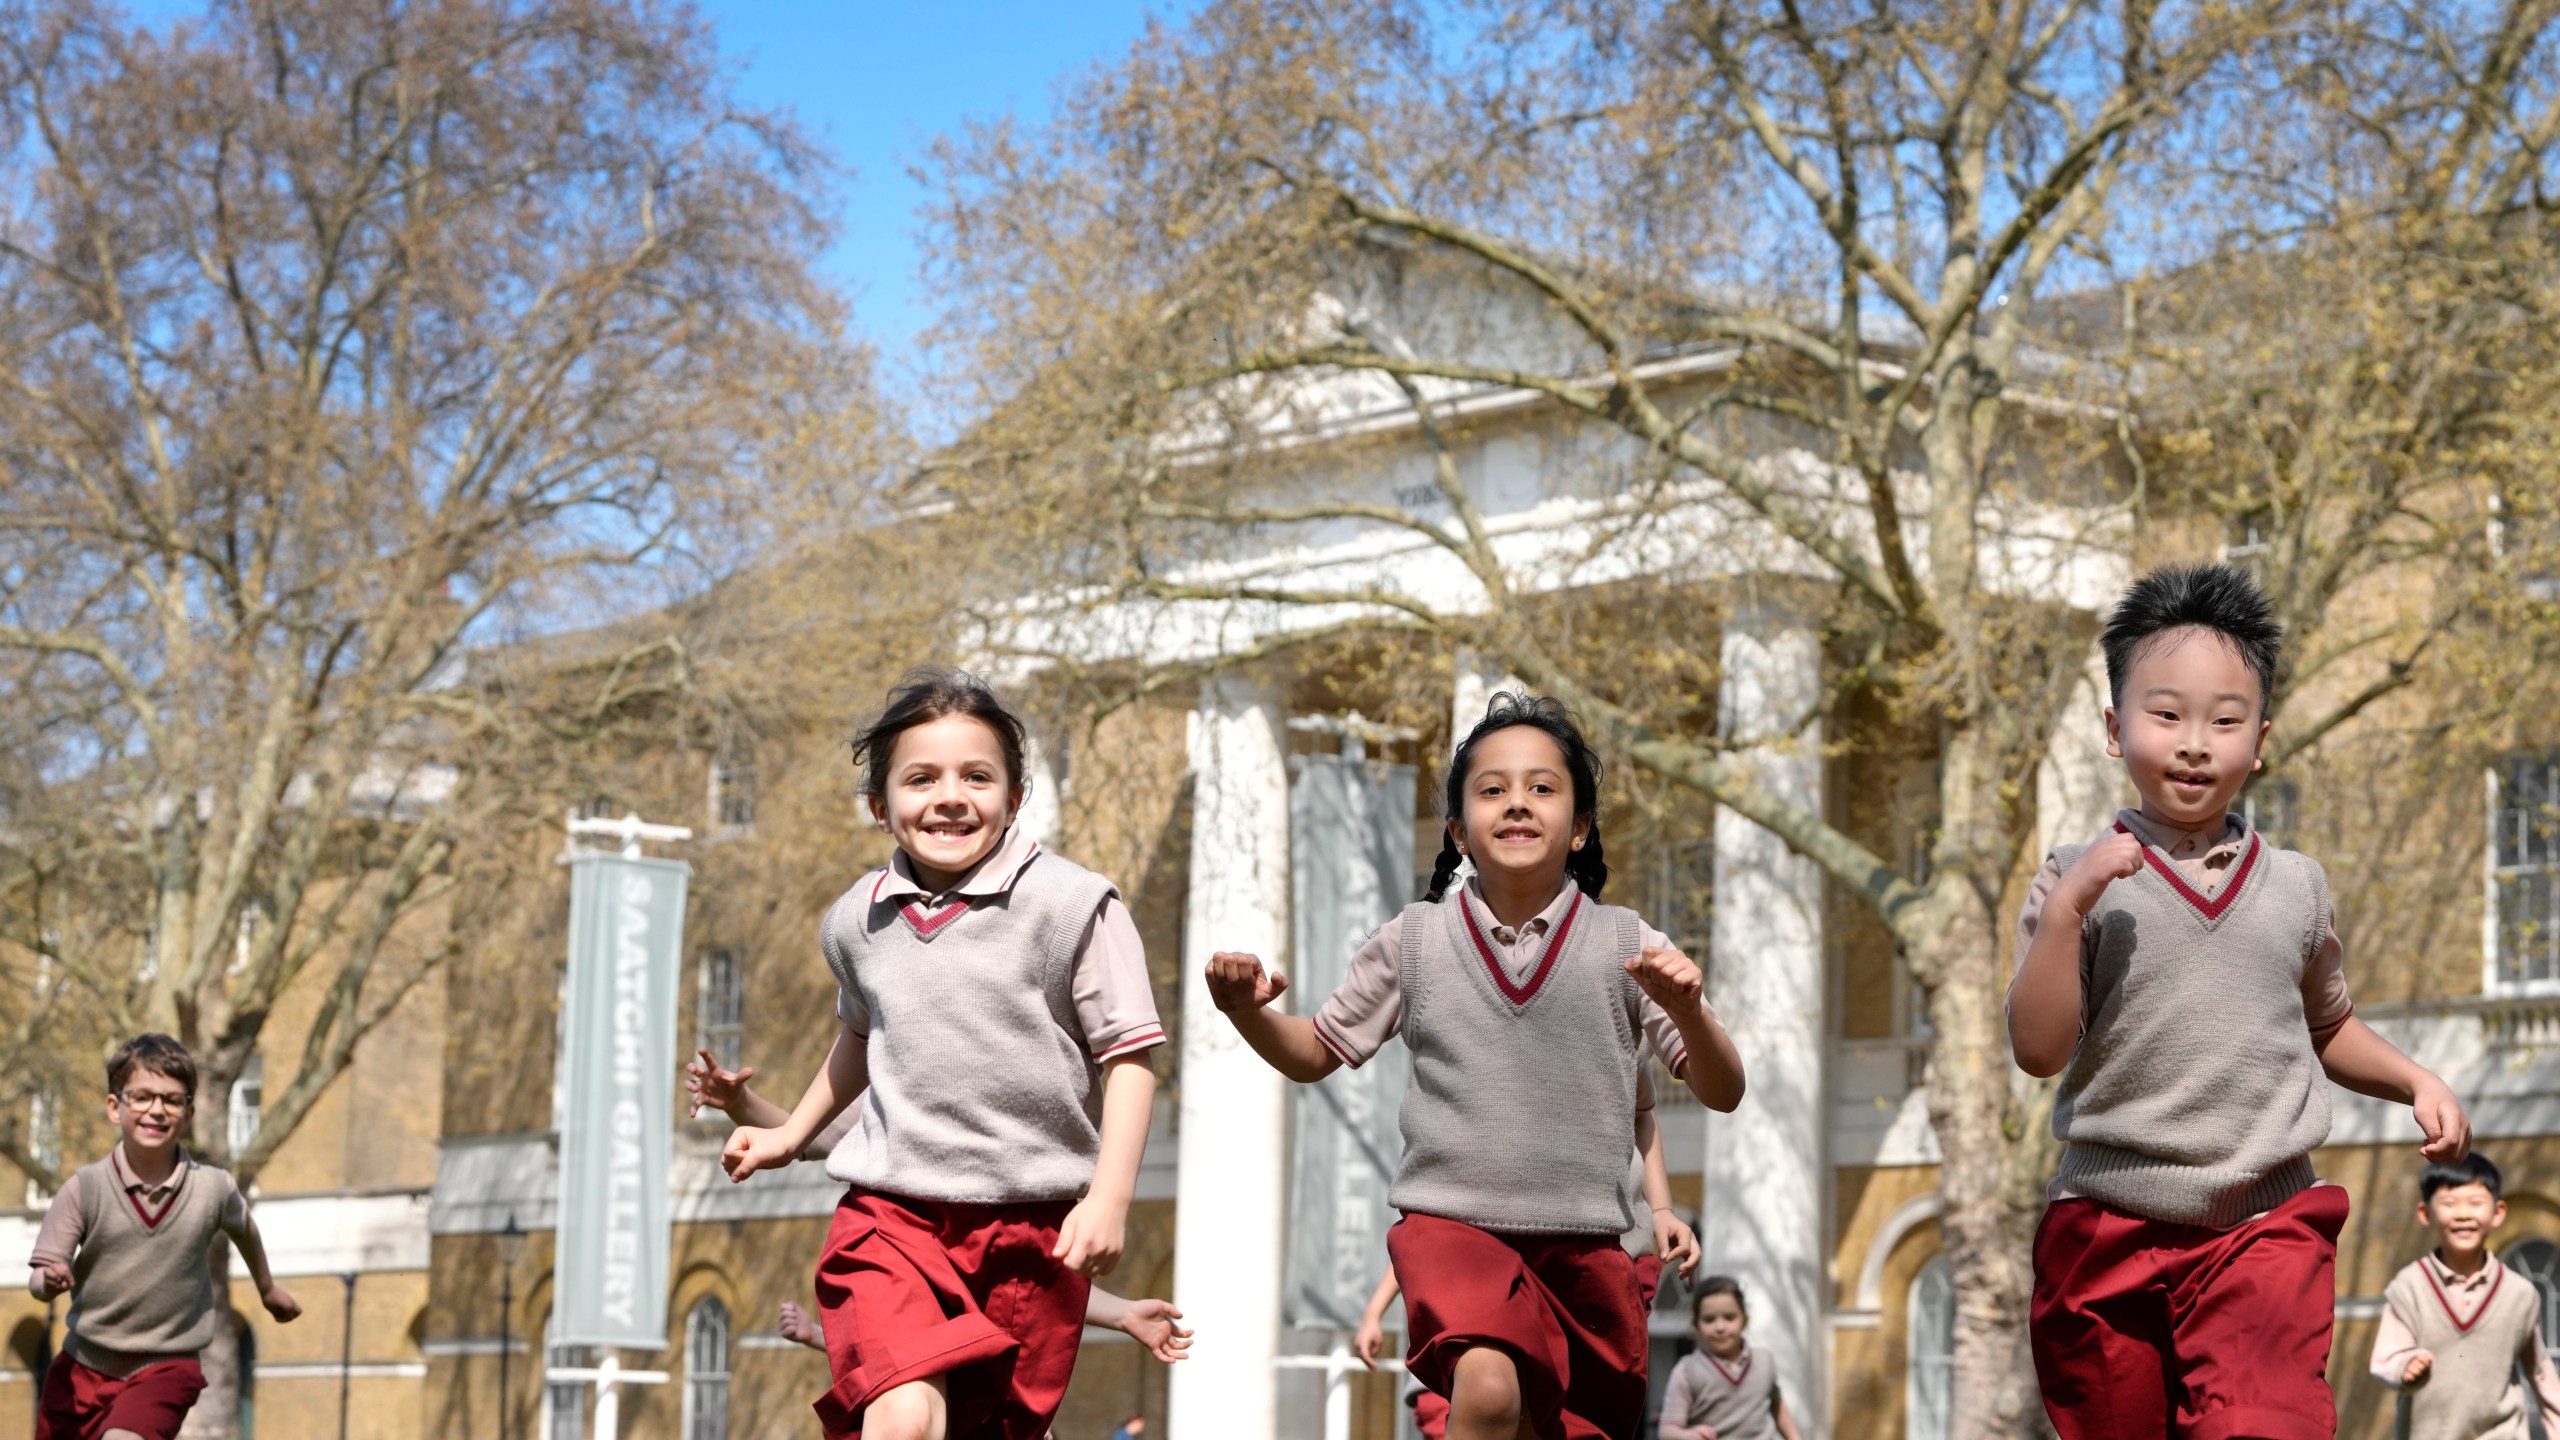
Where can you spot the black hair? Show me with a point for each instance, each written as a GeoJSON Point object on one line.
{"type": "Point", "coordinates": [157, 1053]}
{"type": "Point", "coordinates": [1717, 1285]}
{"type": "Point", "coordinates": [923, 696]}
{"type": "Point", "coordinates": [1588, 867]}
{"type": "Point", "coordinates": [2472, 1169]}
{"type": "Point", "coordinates": [2219, 598]}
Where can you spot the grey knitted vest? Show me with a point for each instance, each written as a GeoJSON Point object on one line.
{"type": "Point", "coordinates": [1738, 1403]}
{"type": "Point", "coordinates": [2472, 1392]}
{"type": "Point", "coordinates": [983, 1088]}
{"type": "Point", "coordinates": [141, 1290]}
{"type": "Point", "coordinates": [2195, 1095]}
{"type": "Point", "coordinates": [1521, 1112]}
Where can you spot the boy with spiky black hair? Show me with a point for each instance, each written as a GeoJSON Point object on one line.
{"type": "Point", "coordinates": [2457, 1330]}
{"type": "Point", "coordinates": [2186, 981]}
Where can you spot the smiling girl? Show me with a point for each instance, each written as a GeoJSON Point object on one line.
{"type": "Point", "coordinates": [1526, 1004]}
{"type": "Point", "coordinates": [993, 1013]}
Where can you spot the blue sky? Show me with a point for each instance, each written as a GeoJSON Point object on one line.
{"type": "Point", "coordinates": [874, 82]}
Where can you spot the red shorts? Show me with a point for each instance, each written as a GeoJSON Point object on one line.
{"type": "Point", "coordinates": [916, 1288]}
{"type": "Point", "coordinates": [81, 1404]}
{"type": "Point", "coordinates": [1565, 1307]}
{"type": "Point", "coordinates": [2147, 1328]}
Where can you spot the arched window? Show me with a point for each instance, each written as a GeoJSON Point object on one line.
{"type": "Point", "coordinates": [1932, 1331]}
{"type": "Point", "coordinates": [2539, 1262]}
{"type": "Point", "coordinates": [706, 1371]}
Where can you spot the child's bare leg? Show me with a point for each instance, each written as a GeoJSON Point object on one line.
{"type": "Point", "coordinates": [120, 1435]}
{"type": "Point", "coordinates": [1484, 1398]}
{"type": "Point", "coordinates": [917, 1410]}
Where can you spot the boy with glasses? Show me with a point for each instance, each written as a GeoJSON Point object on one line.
{"type": "Point", "coordinates": [129, 1238]}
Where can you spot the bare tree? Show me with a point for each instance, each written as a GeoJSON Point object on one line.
{"type": "Point", "coordinates": [1994, 265]}
{"type": "Point", "coordinates": [359, 367]}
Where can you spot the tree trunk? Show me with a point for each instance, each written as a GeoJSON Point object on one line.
{"type": "Point", "coordinates": [1991, 1175]}
{"type": "Point", "coordinates": [216, 1415]}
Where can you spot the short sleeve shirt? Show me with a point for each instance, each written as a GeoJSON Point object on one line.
{"type": "Point", "coordinates": [1114, 1001]}
{"type": "Point", "coordinates": [1366, 1010]}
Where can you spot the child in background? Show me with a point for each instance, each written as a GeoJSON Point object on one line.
{"type": "Point", "coordinates": [993, 1012]}
{"type": "Point", "coordinates": [128, 1238]}
{"type": "Point", "coordinates": [2457, 1330]}
{"type": "Point", "coordinates": [1525, 1003]}
{"type": "Point", "coordinates": [1152, 1323]}
{"type": "Point", "coordinates": [1721, 1391]}
{"type": "Point", "coordinates": [2186, 980]}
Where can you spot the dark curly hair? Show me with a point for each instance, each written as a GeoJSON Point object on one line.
{"type": "Point", "coordinates": [923, 696]}
{"type": "Point", "coordinates": [1587, 866]}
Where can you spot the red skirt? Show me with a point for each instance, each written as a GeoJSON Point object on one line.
{"type": "Point", "coordinates": [82, 1404]}
{"type": "Point", "coordinates": [916, 1288]}
{"type": "Point", "coordinates": [1566, 1308]}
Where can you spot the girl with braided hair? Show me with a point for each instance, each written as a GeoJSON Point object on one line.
{"type": "Point", "coordinates": [1526, 1004]}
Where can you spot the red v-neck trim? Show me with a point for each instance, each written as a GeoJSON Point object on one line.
{"type": "Point", "coordinates": [2461, 1325]}
{"type": "Point", "coordinates": [927, 923]}
{"type": "Point", "coordinates": [1733, 1378]}
{"type": "Point", "coordinates": [2209, 906]}
{"type": "Point", "coordinates": [133, 1195]}
{"type": "Point", "coordinates": [1519, 994]}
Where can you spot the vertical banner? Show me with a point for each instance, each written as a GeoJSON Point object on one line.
{"type": "Point", "coordinates": [626, 920]}
{"type": "Point", "coordinates": [1351, 862]}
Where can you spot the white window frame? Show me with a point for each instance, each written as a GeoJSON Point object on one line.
{"type": "Point", "coordinates": [1937, 1370]}
{"type": "Point", "coordinates": [248, 1103]}
{"type": "Point", "coordinates": [733, 773]}
{"type": "Point", "coordinates": [571, 1395]}
{"type": "Point", "coordinates": [702, 1385]}
{"type": "Point", "coordinates": [718, 1017]}
{"type": "Point", "coordinates": [2492, 948]}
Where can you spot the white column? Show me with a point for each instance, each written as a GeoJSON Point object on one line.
{"type": "Point", "coordinates": [1043, 809]}
{"type": "Point", "coordinates": [2078, 788]}
{"type": "Point", "coordinates": [1766, 1164]}
{"type": "Point", "coordinates": [1473, 687]}
{"type": "Point", "coordinates": [1229, 1191]}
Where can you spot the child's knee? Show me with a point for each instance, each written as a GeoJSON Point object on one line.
{"type": "Point", "coordinates": [913, 1411]}
{"type": "Point", "coordinates": [1485, 1390]}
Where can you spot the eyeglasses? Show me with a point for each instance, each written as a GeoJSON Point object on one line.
{"type": "Point", "coordinates": [146, 1101]}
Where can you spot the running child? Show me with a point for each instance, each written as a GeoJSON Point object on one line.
{"type": "Point", "coordinates": [1525, 1003]}
{"type": "Point", "coordinates": [993, 1015]}
{"type": "Point", "coordinates": [1155, 1324]}
{"type": "Point", "coordinates": [1721, 1391]}
{"type": "Point", "coordinates": [1673, 1243]}
{"type": "Point", "coordinates": [128, 1238]}
{"type": "Point", "coordinates": [2185, 979]}
{"type": "Point", "coordinates": [2458, 1332]}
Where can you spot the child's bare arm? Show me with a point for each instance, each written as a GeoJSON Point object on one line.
{"type": "Point", "coordinates": [253, 1253]}
{"type": "Point", "coordinates": [1673, 982]}
{"type": "Point", "coordinates": [57, 1240]}
{"type": "Point", "coordinates": [1786, 1419]}
{"type": "Point", "coordinates": [845, 1075]}
{"type": "Point", "coordinates": [2361, 1060]}
{"type": "Point", "coordinates": [1372, 1334]}
{"type": "Point", "coordinates": [1090, 1239]}
{"type": "Point", "coordinates": [1673, 1240]}
{"type": "Point", "coordinates": [1243, 991]}
{"type": "Point", "coordinates": [2044, 996]}
{"type": "Point", "coordinates": [728, 1092]}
